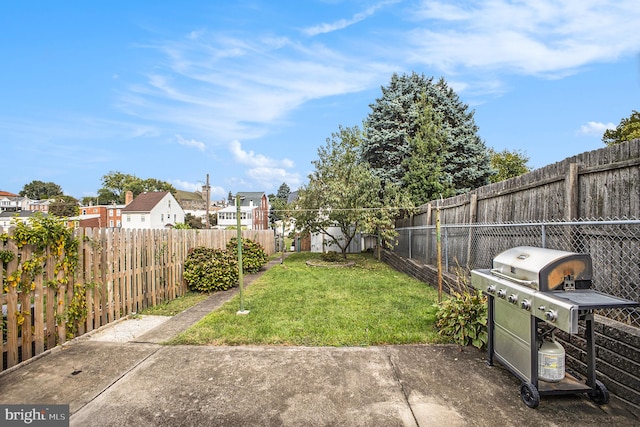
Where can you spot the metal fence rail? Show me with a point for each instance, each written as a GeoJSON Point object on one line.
{"type": "Point", "coordinates": [614, 246]}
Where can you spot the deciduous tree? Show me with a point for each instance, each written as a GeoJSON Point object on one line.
{"type": "Point", "coordinates": [343, 197]}
{"type": "Point", "coordinates": [116, 184]}
{"type": "Point", "coordinates": [64, 206]}
{"type": "Point", "coordinates": [39, 190]}
{"type": "Point", "coordinates": [628, 129]}
{"type": "Point", "coordinates": [508, 164]}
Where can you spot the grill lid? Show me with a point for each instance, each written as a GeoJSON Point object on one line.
{"type": "Point", "coordinates": [544, 269]}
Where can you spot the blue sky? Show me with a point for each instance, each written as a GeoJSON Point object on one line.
{"type": "Point", "coordinates": [246, 91]}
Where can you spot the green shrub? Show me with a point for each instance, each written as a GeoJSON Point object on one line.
{"type": "Point", "coordinates": [208, 270]}
{"type": "Point", "coordinates": [463, 318]}
{"type": "Point", "coordinates": [253, 255]}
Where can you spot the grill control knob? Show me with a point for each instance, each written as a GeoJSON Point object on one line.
{"type": "Point", "coordinates": [551, 315]}
{"type": "Point", "coordinates": [502, 293]}
{"type": "Point", "coordinates": [526, 304]}
{"type": "Point", "coordinates": [491, 289]}
{"type": "Point", "coordinates": [513, 299]}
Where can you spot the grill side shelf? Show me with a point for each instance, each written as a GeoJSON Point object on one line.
{"type": "Point", "coordinates": [590, 299]}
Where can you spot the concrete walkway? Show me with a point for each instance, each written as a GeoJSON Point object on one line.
{"type": "Point", "coordinates": [122, 375]}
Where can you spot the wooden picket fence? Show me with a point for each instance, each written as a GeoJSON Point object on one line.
{"type": "Point", "coordinates": [120, 272]}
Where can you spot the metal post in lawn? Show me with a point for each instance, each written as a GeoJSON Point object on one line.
{"type": "Point", "coordinates": [240, 278]}
{"type": "Point", "coordinates": [282, 259]}
{"type": "Point", "coordinates": [439, 251]}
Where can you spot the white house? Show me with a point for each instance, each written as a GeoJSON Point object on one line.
{"type": "Point", "coordinates": [158, 209]}
{"type": "Point", "coordinates": [8, 218]}
{"type": "Point", "coordinates": [254, 212]}
{"type": "Point", "coordinates": [13, 203]}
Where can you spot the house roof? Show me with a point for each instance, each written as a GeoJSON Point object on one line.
{"type": "Point", "coordinates": [7, 194]}
{"type": "Point", "coordinates": [19, 214]}
{"type": "Point", "coordinates": [144, 202]}
{"type": "Point", "coordinates": [246, 197]}
{"type": "Point", "coordinates": [188, 195]}
{"type": "Point", "coordinates": [293, 197]}
{"type": "Point", "coordinates": [83, 217]}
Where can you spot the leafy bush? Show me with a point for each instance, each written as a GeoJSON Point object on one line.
{"type": "Point", "coordinates": [463, 318]}
{"type": "Point", "coordinates": [253, 255]}
{"type": "Point", "coordinates": [208, 269]}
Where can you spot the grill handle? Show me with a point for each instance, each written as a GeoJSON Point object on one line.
{"type": "Point", "coordinates": [497, 272]}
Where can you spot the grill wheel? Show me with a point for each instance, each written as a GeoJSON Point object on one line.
{"type": "Point", "coordinates": [600, 394]}
{"type": "Point", "coordinates": [529, 394]}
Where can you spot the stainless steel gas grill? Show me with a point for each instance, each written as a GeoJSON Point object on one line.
{"type": "Point", "coordinates": [531, 292]}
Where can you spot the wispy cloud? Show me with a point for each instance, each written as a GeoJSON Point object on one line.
{"type": "Point", "coordinates": [237, 88]}
{"type": "Point", "coordinates": [595, 128]}
{"type": "Point", "coordinates": [545, 37]}
{"type": "Point", "coordinates": [344, 23]}
{"type": "Point", "coordinates": [191, 143]}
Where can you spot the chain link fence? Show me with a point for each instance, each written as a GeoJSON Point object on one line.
{"type": "Point", "coordinates": [614, 246]}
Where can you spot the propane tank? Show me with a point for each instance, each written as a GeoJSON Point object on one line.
{"type": "Point", "coordinates": [551, 361]}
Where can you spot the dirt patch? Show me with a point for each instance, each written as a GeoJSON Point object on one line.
{"type": "Point", "coordinates": [320, 263]}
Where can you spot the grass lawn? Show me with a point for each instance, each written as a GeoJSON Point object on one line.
{"type": "Point", "coordinates": [296, 304]}
{"type": "Point", "coordinates": [175, 306]}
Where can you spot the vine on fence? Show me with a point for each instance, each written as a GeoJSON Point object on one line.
{"type": "Point", "coordinates": [51, 239]}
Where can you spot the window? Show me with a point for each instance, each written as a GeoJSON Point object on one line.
{"type": "Point", "coordinates": [111, 223]}
{"type": "Point", "coordinates": [84, 211]}
{"type": "Point", "coordinates": [110, 212]}
{"type": "Point", "coordinates": [128, 218]}
{"type": "Point", "coordinates": [142, 218]}
{"type": "Point", "coordinates": [118, 212]}
{"type": "Point", "coordinates": [118, 224]}
{"type": "Point", "coordinates": [161, 217]}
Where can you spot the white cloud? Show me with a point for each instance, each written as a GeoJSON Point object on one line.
{"type": "Point", "coordinates": [257, 160]}
{"type": "Point", "coordinates": [545, 37]}
{"type": "Point", "coordinates": [216, 191]}
{"type": "Point", "coordinates": [186, 185]}
{"type": "Point", "coordinates": [595, 128]}
{"type": "Point", "coordinates": [191, 143]}
{"type": "Point", "coordinates": [239, 87]}
{"type": "Point", "coordinates": [271, 178]}
{"type": "Point", "coordinates": [344, 23]}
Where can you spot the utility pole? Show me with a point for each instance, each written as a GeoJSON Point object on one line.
{"type": "Point", "coordinates": [242, 311]}
{"type": "Point", "coordinates": [207, 189]}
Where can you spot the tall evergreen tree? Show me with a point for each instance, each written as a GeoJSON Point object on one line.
{"type": "Point", "coordinates": [424, 179]}
{"type": "Point", "coordinates": [394, 121]}
{"type": "Point", "coordinates": [278, 203]}
{"type": "Point", "coordinates": [283, 192]}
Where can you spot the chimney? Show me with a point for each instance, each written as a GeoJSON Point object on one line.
{"type": "Point", "coordinates": [128, 197]}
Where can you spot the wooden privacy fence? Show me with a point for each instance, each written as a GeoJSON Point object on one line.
{"type": "Point", "coordinates": [603, 183]}
{"type": "Point", "coordinates": [119, 272]}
